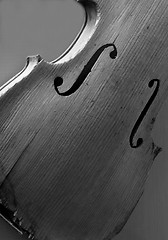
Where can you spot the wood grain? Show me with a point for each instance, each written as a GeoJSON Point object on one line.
{"type": "Point", "coordinates": [67, 164]}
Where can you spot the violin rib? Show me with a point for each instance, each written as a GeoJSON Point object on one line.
{"type": "Point", "coordinates": [92, 17]}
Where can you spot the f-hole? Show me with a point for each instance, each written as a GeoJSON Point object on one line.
{"type": "Point", "coordinates": [143, 113]}
{"type": "Point", "coordinates": [86, 70]}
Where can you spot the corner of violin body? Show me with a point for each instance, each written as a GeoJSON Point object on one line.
{"type": "Point", "coordinates": [31, 63]}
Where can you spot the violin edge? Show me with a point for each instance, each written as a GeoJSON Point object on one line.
{"type": "Point", "coordinates": [31, 63]}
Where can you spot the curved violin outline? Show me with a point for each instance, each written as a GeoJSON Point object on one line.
{"type": "Point", "coordinates": [92, 18]}
{"type": "Point", "coordinates": [31, 63]}
{"type": "Point", "coordinates": [86, 70]}
{"type": "Point", "coordinates": [143, 113]}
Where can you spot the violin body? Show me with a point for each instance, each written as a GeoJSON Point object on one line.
{"type": "Point", "coordinates": [75, 134]}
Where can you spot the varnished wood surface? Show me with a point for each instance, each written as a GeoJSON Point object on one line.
{"type": "Point", "coordinates": [67, 162]}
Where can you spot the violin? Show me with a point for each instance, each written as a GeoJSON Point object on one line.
{"type": "Point", "coordinates": [75, 133]}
